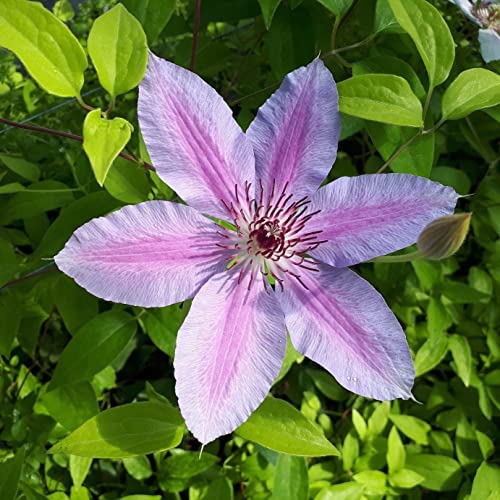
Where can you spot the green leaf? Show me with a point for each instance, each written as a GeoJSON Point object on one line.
{"type": "Point", "coordinates": [95, 346]}
{"type": "Point", "coordinates": [152, 14]}
{"type": "Point", "coordinates": [290, 41]}
{"type": "Point", "coordinates": [71, 405]}
{"type": "Point", "coordinates": [63, 10]}
{"type": "Point", "coordinates": [342, 491]}
{"type": "Point", "coordinates": [460, 293]}
{"type": "Point", "coordinates": [373, 480]}
{"type": "Point", "coordinates": [379, 418]}
{"type": "Point", "coordinates": [103, 141]}
{"type": "Point", "coordinates": [49, 195]}
{"type": "Point", "coordinates": [416, 159]}
{"type": "Point", "coordinates": [441, 473]}
{"type": "Point", "coordinates": [10, 472]}
{"type": "Point", "coordinates": [51, 53]}
{"type": "Point", "coordinates": [384, 19]}
{"type": "Point", "coordinates": [127, 182]}
{"type": "Point", "coordinates": [431, 35]}
{"type": "Point", "coordinates": [268, 8]}
{"type": "Point", "coordinates": [486, 483]}
{"type": "Point", "coordinates": [119, 50]}
{"type": "Point", "coordinates": [350, 451]}
{"type": "Point", "coordinates": [412, 427]}
{"type": "Point", "coordinates": [11, 311]}
{"type": "Point", "coordinates": [279, 426]}
{"type": "Point", "coordinates": [381, 98]}
{"type": "Point", "coordinates": [327, 385]}
{"type": "Point", "coordinates": [405, 478]}
{"type": "Point", "coordinates": [138, 467]}
{"type": "Point", "coordinates": [21, 167]}
{"type": "Point", "coordinates": [390, 65]}
{"type": "Point", "coordinates": [359, 424]}
{"type": "Point", "coordinates": [453, 177]}
{"type": "Point", "coordinates": [125, 431]}
{"type": "Point", "coordinates": [431, 353]}
{"type": "Point", "coordinates": [338, 7]}
{"type": "Point", "coordinates": [474, 89]}
{"type": "Point", "coordinates": [75, 305]}
{"type": "Point", "coordinates": [396, 454]}
{"type": "Point", "coordinates": [220, 489]}
{"type": "Point", "coordinates": [462, 355]}
{"type": "Point", "coordinates": [291, 478]}
{"type": "Point", "coordinates": [79, 467]}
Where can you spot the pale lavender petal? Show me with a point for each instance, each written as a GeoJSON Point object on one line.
{"type": "Point", "coordinates": [343, 324]}
{"type": "Point", "coordinates": [229, 351]}
{"type": "Point", "coordinates": [196, 146]}
{"type": "Point", "coordinates": [295, 133]}
{"type": "Point", "coordinates": [367, 216]}
{"type": "Point", "coordinates": [466, 7]}
{"type": "Point", "coordinates": [152, 254]}
{"type": "Point", "coordinates": [490, 45]}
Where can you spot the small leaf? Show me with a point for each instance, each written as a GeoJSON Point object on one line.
{"type": "Point", "coordinates": [342, 491]}
{"type": "Point", "coordinates": [119, 50]}
{"type": "Point", "coordinates": [338, 7]}
{"type": "Point", "coordinates": [290, 478]}
{"type": "Point", "coordinates": [152, 14]}
{"type": "Point", "coordinates": [127, 182]}
{"type": "Point", "coordinates": [486, 483]}
{"type": "Point", "coordinates": [374, 480]}
{"type": "Point", "coordinates": [412, 427]}
{"type": "Point", "coordinates": [95, 346]}
{"type": "Point", "coordinates": [268, 8]}
{"type": "Point", "coordinates": [405, 478]}
{"type": "Point", "coordinates": [103, 141]}
{"type": "Point", "coordinates": [350, 451]}
{"type": "Point", "coordinates": [474, 89]}
{"type": "Point", "coordinates": [396, 454]}
{"type": "Point", "coordinates": [279, 426]}
{"type": "Point", "coordinates": [138, 467]}
{"type": "Point", "coordinates": [359, 424]}
{"type": "Point", "coordinates": [431, 35]}
{"type": "Point", "coordinates": [79, 467]}
{"type": "Point", "coordinates": [10, 472]}
{"type": "Point", "coordinates": [379, 418]}
{"type": "Point", "coordinates": [441, 473]}
{"type": "Point", "coordinates": [462, 355]}
{"type": "Point", "coordinates": [431, 353]}
{"type": "Point", "coordinates": [51, 53]}
{"type": "Point", "coordinates": [381, 98]}
{"type": "Point", "coordinates": [21, 167]}
{"type": "Point", "coordinates": [125, 431]}
{"type": "Point", "coordinates": [384, 19]}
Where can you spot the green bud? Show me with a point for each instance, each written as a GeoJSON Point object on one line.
{"type": "Point", "coordinates": [444, 236]}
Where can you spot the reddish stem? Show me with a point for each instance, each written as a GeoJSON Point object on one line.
{"type": "Point", "coordinates": [196, 31]}
{"type": "Point", "coordinates": [68, 135]}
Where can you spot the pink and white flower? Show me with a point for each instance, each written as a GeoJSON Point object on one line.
{"type": "Point", "coordinates": [282, 266]}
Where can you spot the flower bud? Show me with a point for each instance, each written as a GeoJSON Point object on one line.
{"type": "Point", "coordinates": [444, 236]}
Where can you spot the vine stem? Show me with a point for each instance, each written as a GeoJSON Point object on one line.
{"type": "Point", "coordinates": [406, 257]}
{"type": "Point", "coordinates": [68, 135]}
{"type": "Point", "coordinates": [196, 31]}
{"type": "Point", "coordinates": [48, 268]}
{"type": "Point", "coordinates": [408, 143]}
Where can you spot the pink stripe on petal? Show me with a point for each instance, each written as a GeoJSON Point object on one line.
{"type": "Point", "coordinates": [152, 254]}
{"type": "Point", "coordinates": [229, 351]}
{"type": "Point", "coordinates": [371, 215]}
{"type": "Point", "coordinates": [344, 324]}
{"type": "Point", "coordinates": [194, 142]}
{"type": "Point", "coordinates": [295, 133]}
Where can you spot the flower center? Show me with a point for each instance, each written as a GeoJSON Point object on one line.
{"type": "Point", "coordinates": [271, 241]}
{"type": "Point", "coordinates": [489, 15]}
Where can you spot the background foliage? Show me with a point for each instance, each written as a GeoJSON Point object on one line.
{"type": "Point", "coordinates": [66, 357]}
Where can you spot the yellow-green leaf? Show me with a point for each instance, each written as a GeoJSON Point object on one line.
{"type": "Point", "coordinates": [103, 140]}
{"type": "Point", "coordinates": [125, 431]}
{"type": "Point", "coordinates": [51, 53]}
{"type": "Point", "coordinates": [119, 50]}
{"type": "Point", "coordinates": [471, 90]}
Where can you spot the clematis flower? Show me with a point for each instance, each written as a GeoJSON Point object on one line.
{"type": "Point", "coordinates": [282, 264]}
{"type": "Point", "coordinates": [485, 13]}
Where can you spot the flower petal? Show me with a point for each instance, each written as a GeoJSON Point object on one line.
{"type": "Point", "coordinates": [344, 324]}
{"type": "Point", "coordinates": [152, 254]}
{"type": "Point", "coordinates": [295, 133]}
{"type": "Point", "coordinates": [370, 215]}
{"type": "Point", "coordinates": [466, 8]}
{"type": "Point", "coordinates": [195, 144]}
{"type": "Point", "coordinates": [229, 351]}
{"type": "Point", "coordinates": [490, 45]}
